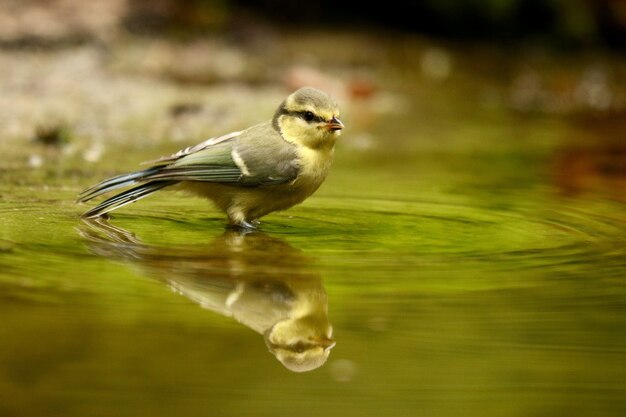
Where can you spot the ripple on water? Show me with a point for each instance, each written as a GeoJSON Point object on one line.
{"type": "Point", "coordinates": [420, 233]}
{"type": "Point", "coordinates": [377, 235]}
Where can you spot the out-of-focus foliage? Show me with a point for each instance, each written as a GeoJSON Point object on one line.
{"type": "Point", "coordinates": [564, 23]}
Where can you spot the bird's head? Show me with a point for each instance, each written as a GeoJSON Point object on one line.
{"type": "Point", "coordinates": [309, 117]}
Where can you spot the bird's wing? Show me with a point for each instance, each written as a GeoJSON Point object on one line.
{"type": "Point", "coordinates": [264, 157]}
{"type": "Point", "coordinates": [165, 160]}
{"type": "Point", "coordinates": [254, 157]}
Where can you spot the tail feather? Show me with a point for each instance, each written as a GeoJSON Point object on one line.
{"type": "Point", "coordinates": [114, 183]}
{"type": "Point", "coordinates": [126, 197]}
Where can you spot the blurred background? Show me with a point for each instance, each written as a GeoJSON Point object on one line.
{"type": "Point", "coordinates": [468, 247]}
{"type": "Point", "coordinates": [565, 24]}
{"type": "Point", "coordinates": [124, 71]}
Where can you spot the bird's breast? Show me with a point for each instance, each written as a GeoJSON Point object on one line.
{"type": "Point", "coordinates": [314, 165]}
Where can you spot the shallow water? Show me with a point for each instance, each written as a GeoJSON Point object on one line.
{"type": "Point", "coordinates": [473, 265]}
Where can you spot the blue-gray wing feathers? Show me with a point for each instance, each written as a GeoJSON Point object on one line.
{"type": "Point", "coordinates": [212, 161]}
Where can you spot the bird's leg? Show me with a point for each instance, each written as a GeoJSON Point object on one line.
{"type": "Point", "coordinates": [237, 218]}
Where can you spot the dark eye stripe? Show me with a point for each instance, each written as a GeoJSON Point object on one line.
{"type": "Point", "coordinates": [302, 115]}
{"type": "Point", "coordinates": [306, 115]}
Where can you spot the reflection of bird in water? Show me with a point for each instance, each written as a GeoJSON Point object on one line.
{"type": "Point", "coordinates": [259, 280]}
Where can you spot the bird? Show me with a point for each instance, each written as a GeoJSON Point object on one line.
{"type": "Point", "coordinates": [247, 174]}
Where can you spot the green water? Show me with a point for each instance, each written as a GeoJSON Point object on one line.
{"type": "Point", "coordinates": [471, 262]}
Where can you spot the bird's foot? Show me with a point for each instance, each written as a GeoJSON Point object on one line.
{"type": "Point", "coordinates": [244, 226]}
{"type": "Point", "coordinates": [247, 225]}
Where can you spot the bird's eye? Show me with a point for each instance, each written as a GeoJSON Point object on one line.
{"type": "Point", "coordinates": [309, 116]}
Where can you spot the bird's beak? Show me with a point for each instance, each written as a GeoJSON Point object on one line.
{"type": "Point", "coordinates": [334, 124]}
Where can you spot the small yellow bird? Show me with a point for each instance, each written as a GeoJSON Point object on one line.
{"type": "Point", "coordinates": [268, 167]}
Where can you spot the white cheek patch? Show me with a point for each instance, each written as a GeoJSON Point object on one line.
{"type": "Point", "coordinates": [240, 163]}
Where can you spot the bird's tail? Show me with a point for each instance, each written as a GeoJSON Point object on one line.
{"type": "Point", "coordinates": [114, 183]}
{"type": "Point", "coordinates": [125, 197]}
